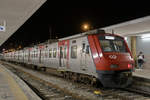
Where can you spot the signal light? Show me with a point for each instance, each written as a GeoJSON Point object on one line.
{"type": "Point", "coordinates": [129, 65]}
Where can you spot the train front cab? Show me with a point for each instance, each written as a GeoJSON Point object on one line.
{"type": "Point", "coordinates": [113, 60]}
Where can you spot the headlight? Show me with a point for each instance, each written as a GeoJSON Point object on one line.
{"type": "Point", "coordinates": [114, 66]}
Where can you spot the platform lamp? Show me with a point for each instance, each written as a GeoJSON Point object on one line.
{"type": "Point", "coordinates": [86, 27]}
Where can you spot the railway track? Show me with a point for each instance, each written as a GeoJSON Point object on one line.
{"type": "Point", "coordinates": [44, 90]}
{"type": "Point", "coordinates": [57, 88]}
{"type": "Point", "coordinates": [140, 85]}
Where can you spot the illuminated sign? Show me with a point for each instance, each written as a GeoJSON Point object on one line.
{"type": "Point", "coordinates": [109, 37]}
{"type": "Point", "coordinates": [145, 36]}
{"type": "Point", "coordinates": [3, 27]}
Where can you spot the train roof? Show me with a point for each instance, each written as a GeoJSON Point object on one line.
{"type": "Point", "coordinates": [96, 31]}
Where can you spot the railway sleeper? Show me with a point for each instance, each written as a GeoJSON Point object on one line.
{"type": "Point", "coordinates": [74, 77]}
{"type": "Point", "coordinates": [82, 78]}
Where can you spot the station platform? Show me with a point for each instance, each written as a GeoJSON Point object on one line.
{"type": "Point", "coordinates": [143, 73]}
{"type": "Point", "coordinates": [13, 88]}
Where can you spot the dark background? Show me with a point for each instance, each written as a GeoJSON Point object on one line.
{"type": "Point", "coordinates": [65, 19]}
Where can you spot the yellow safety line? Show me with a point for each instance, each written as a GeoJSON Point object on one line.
{"type": "Point", "coordinates": [16, 90]}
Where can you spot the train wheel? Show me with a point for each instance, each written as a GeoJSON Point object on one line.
{"type": "Point", "coordinates": [74, 77]}
{"type": "Point", "coordinates": [61, 73]}
{"type": "Point", "coordinates": [68, 75]}
{"type": "Point", "coordinates": [43, 69]}
{"type": "Point", "coordinates": [65, 75]}
{"type": "Point", "coordinates": [81, 78]}
{"type": "Point", "coordinates": [35, 67]}
{"type": "Point", "coordinates": [93, 81]}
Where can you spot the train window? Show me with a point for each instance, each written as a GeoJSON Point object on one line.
{"type": "Point", "coordinates": [74, 41]}
{"type": "Point", "coordinates": [74, 52]}
{"type": "Point", "coordinates": [87, 49]}
{"type": "Point", "coordinates": [50, 53]}
{"type": "Point", "coordinates": [54, 52]}
{"type": "Point", "coordinates": [112, 45]}
{"type": "Point", "coordinates": [106, 45]}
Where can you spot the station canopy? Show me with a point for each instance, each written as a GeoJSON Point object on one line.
{"type": "Point", "coordinates": [14, 13]}
{"type": "Point", "coordinates": [135, 27]}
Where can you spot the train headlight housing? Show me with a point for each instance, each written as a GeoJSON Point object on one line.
{"type": "Point", "coordinates": [114, 66]}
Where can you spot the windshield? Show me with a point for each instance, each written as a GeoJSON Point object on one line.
{"type": "Point", "coordinates": [112, 44]}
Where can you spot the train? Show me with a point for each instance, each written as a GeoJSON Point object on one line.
{"type": "Point", "coordinates": [93, 55]}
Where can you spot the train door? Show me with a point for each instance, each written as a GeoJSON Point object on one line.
{"type": "Point", "coordinates": [63, 53]}
{"type": "Point", "coordinates": [63, 56]}
{"type": "Point", "coordinates": [39, 55]}
{"type": "Point", "coordinates": [18, 56]}
{"type": "Point", "coordinates": [29, 55]}
{"type": "Point", "coordinates": [84, 56]}
{"type": "Point", "coordinates": [23, 55]}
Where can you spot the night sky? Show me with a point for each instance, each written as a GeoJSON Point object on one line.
{"type": "Point", "coordinates": [66, 19]}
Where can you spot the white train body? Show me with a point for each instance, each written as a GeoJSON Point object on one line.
{"type": "Point", "coordinates": [83, 54]}
{"type": "Point", "coordinates": [58, 56]}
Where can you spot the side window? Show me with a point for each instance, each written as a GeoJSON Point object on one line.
{"type": "Point", "coordinates": [50, 53]}
{"type": "Point", "coordinates": [87, 49]}
{"type": "Point", "coordinates": [74, 52]}
{"type": "Point", "coordinates": [54, 52]}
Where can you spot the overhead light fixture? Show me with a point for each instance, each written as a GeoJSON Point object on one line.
{"type": "Point", "coordinates": [110, 37]}
{"type": "Point", "coordinates": [145, 36]}
{"type": "Point", "coordinates": [126, 38]}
